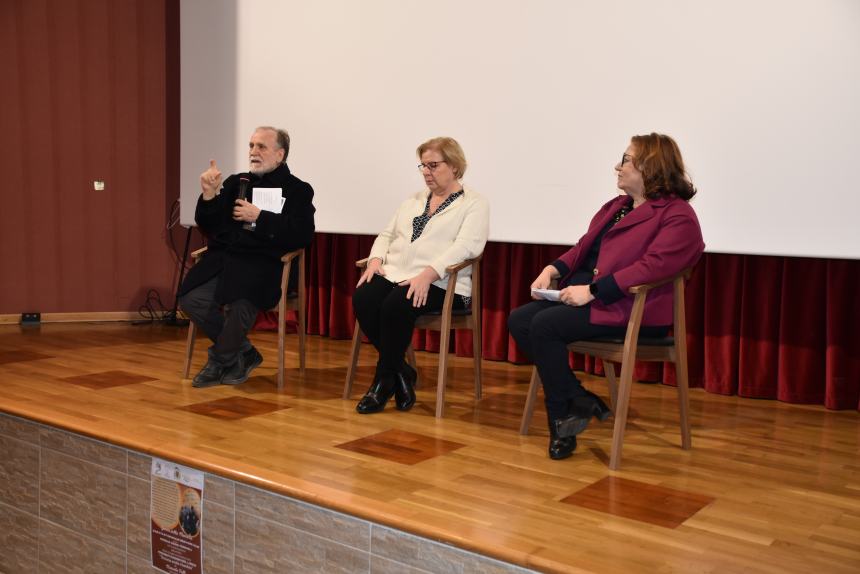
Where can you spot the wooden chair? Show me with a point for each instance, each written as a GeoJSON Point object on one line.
{"type": "Point", "coordinates": [297, 303]}
{"type": "Point", "coordinates": [627, 351]}
{"type": "Point", "coordinates": [443, 321]}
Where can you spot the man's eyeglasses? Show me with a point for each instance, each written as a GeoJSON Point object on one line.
{"type": "Point", "coordinates": [430, 165]}
{"type": "Point", "coordinates": [625, 158]}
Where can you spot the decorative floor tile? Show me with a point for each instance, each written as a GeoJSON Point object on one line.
{"type": "Point", "coordinates": [233, 408]}
{"type": "Point", "coordinates": [21, 356]}
{"type": "Point", "coordinates": [649, 503]}
{"type": "Point", "coordinates": [108, 379]}
{"type": "Point", "coordinates": [401, 446]}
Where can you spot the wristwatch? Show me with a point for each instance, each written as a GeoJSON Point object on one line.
{"type": "Point", "coordinates": [592, 288]}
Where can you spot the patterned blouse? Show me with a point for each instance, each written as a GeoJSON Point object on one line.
{"type": "Point", "coordinates": [420, 222]}
{"type": "Point", "coordinates": [418, 225]}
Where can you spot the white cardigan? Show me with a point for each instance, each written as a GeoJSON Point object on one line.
{"type": "Point", "coordinates": [457, 233]}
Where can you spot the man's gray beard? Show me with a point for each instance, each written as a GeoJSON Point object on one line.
{"type": "Point", "coordinates": [260, 172]}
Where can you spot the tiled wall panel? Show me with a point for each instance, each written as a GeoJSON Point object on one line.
{"type": "Point", "coordinates": [70, 504]}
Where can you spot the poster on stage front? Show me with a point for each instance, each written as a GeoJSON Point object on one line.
{"type": "Point", "coordinates": [176, 516]}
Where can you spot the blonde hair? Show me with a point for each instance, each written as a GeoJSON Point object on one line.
{"type": "Point", "coordinates": [451, 152]}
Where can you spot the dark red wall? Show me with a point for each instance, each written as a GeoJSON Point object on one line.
{"type": "Point", "coordinates": [90, 91]}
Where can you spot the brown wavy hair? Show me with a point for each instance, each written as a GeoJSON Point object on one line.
{"type": "Point", "coordinates": [659, 160]}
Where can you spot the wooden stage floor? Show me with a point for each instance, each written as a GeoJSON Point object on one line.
{"type": "Point", "coordinates": [767, 487]}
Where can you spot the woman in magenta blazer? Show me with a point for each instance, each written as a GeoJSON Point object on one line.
{"type": "Point", "coordinates": [647, 234]}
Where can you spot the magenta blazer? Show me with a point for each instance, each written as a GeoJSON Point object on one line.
{"type": "Point", "coordinates": [654, 241]}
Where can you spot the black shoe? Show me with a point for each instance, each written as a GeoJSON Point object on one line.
{"type": "Point", "coordinates": [571, 425]}
{"type": "Point", "coordinates": [581, 409]}
{"type": "Point", "coordinates": [209, 376]}
{"type": "Point", "coordinates": [409, 373]}
{"type": "Point", "coordinates": [591, 403]}
{"type": "Point", "coordinates": [241, 369]}
{"type": "Point", "coordinates": [559, 447]}
{"type": "Point", "coordinates": [404, 388]}
{"type": "Point", "coordinates": [377, 395]}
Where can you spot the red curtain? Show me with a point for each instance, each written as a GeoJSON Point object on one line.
{"type": "Point", "coordinates": [758, 326]}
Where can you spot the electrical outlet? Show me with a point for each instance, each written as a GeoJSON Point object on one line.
{"type": "Point", "coordinates": [98, 185]}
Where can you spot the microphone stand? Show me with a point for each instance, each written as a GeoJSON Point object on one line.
{"type": "Point", "coordinates": [171, 317]}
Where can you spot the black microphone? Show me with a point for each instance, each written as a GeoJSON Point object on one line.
{"type": "Point", "coordinates": [244, 180]}
{"type": "Point", "coordinates": [243, 187]}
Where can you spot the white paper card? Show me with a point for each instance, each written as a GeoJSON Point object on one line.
{"type": "Point", "coordinates": [268, 199]}
{"type": "Point", "coordinates": [546, 294]}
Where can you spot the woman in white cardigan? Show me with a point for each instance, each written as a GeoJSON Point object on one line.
{"type": "Point", "coordinates": [405, 275]}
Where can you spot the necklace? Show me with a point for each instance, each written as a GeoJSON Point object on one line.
{"type": "Point", "coordinates": [619, 215]}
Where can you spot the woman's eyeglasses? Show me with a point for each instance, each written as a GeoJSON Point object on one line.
{"type": "Point", "coordinates": [430, 165]}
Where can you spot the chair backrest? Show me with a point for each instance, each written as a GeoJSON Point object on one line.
{"type": "Point", "coordinates": [197, 254]}
{"type": "Point", "coordinates": [453, 272]}
{"type": "Point", "coordinates": [640, 292]}
{"type": "Point", "coordinates": [659, 350]}
{"type": "Point", "coordinates": [297, 256]}
{"type": "Point", "coordinates": [287, 260]}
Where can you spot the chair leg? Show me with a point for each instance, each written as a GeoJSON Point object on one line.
{"type": "Point", "coordinates": [683, 400]}
{"type": "Point", "coordinates": [410, 358]}
{"type": "Point", "coordinates": [611, 382]}
{"type": "Point", "coordinates": [301, 315]}
{"type": "Point", "coordinates": [189, 348]}
{"type": "Point", "coordinates": [282, 323]}
{"type": "Point", "coordinates": [531, 397]}
{"type": "Point", "coordinates": [442, 377]}
{"type": "Point", "coordinates": [476, 354]}
{"type": "Point", "coordinates": [621, 407]}
{"type": "Point", "coordinates": [302, 312]}
{"type": "Point", "coordinates": [444, 343]}
{"type": "Point", "coordinates": [353, 360]}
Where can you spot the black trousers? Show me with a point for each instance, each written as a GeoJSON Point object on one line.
{"type": "Point", "coordinates": [543, 329]}
{"type": "Point", "coordinates": [228, 330]}
{"type": "Point", "coordinates": [388, 318]}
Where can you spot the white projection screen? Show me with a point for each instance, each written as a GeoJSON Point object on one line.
{"type": "Point", "coordinates": [762, 96]}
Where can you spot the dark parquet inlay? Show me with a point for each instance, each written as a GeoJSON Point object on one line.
{"type": "Point", "coordinates": [401, 446]}
{"type": "Point", "coordinates": [233, 408]}
{"type": "Point", "coordinates": [21, 356]}
{"type": "Point", "coordinates": [108, 379]}
{"type": "Point", "coordinates": [636, 500]}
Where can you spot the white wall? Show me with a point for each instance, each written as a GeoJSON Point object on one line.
{"type": "Point", "coordinates": [762, 96]}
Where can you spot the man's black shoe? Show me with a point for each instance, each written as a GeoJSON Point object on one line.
{"type": "Point", "coordinates": [571, 425]}
{"type": "Point", "coordinates": [593, 404]}
{"type": "Point", "coordinates": [560, 448]}
{"type": "Point", "coordinates": [241, 369]}
{"type": "Point", "coordinates": [209, 376]}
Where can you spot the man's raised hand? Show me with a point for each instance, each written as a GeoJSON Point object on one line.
{"type": "Point", "coordinates": [210, 180]}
